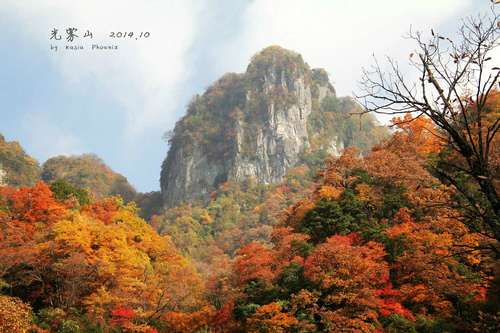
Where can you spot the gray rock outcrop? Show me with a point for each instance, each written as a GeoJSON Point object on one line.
{"type": "Point", "coordinates": [250, 125]}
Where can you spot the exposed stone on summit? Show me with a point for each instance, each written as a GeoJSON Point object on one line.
{"type": "Point", "coordinates": [254, 124]}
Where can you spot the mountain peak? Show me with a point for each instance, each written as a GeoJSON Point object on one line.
{"type": "Point", "coordinates": [276, 56]}
{"type": "Point", "coordinates": [278, 64]}
{"type": "Point", "coordinates": [253, 125]}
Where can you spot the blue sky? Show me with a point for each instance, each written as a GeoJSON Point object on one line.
{"type": "Point", "coordinates": [117, 104]}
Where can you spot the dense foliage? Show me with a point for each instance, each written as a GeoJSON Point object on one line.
{"type": "Point", "coordinates": [371, 243]}
{"type": "Point", "coordinates": [16, 167]}
{"type": "Point", "coordinates": [87, 172]}
{"type": "Point", "coordinates": [376, 248]}
{"type": "Point", "coordinates": [237, 214]}
{"type": "Point", "coordinates": [91, 267]}
{"type": "Point", "coordinates": [377, 243]}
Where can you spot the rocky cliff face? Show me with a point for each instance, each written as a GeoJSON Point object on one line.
{"type": "Point", "coordinates": [255, 124]}
{"type": "Point", "coordinates": [2, 176]}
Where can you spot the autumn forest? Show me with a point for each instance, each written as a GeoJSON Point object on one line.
{"type": "Point", "coordinates": [369, 228]}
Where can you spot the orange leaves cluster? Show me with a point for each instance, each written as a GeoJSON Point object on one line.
{"type": "Point", "coordinates": [356, 273]}
{"type": "Point", "coordinates": [369, 194]}
{"type": "Point", "coordinates": [185, 322]}
{"type": "Point", "coordinates": [390, 302]}
{"type": "Point", "coordinates": [15, 316]}
{"type": "Point", "coordinates": [402, 161]}
{"type": "Point", "coordinates": [289, 247]}
{"type": "Point", "coordinates": [122, 318]}
{"type": "Point", "coordinates": [297, 212]}
{"type": "Point", "coordinates": [255, 261]}
{"type": "Point", "coordinates": [418, 134]}
{"type": "Point", "coordinates": [32, 205]}
{"type": "Point", "coordinates": [103, 210]}
{"type": "Point", "coordinates": [330, 192]}
{"type": "Point", "coordinates": [102, 258]}
{"type": "Point", "coordinates": [339, 263]}
{"type": "Point", "coordinates": [271, 318]}
{"type": "Point", "coordinates": [144, 269]}
{"type": "Point", "coordinates": [426, 270]}
{"type": "Point", "coordinates": [339, 172]}
{"type": "Point", "coordinates": [25, 220]}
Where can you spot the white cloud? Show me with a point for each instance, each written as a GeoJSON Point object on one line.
{"type": "Point", "coordinates": [340, 35]}
{"type": "Point", "coordinates": [47, 138]}
{"type": "Point", "coordinates": [143, 76]}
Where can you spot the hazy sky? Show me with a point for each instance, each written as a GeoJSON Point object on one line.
{"type": "Point", "coordinates": [118, 103]}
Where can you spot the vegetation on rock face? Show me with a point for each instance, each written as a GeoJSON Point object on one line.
{"type": "Point", "coordinates": [210, 119]}
{"type": "Point", "coordinates": [267, 103]}
{"type": "Point", "coordinates": [281, 65]}
{"type": "Point", "coordinates": [19, 169]}
{"type": "Point", "coordinates": [341, 122]}
{"type": "Point", "coordinates": [236, 214]}
{"type": "Point", "coordinates": [87, 172]}
{"type": "Point", "coordinates": [320, 76]}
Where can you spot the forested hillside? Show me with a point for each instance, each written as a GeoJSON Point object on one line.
{"type": "Point", "coordinates": [87, 172]}
{"type": "Point", "coordinates": [16, 167]}
{"type": "Point", "coordinates": [283, 209]}
{"type": "Point", "coordinates": [373, 243]}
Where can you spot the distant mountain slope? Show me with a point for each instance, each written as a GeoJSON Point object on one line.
{"type": "Point", "coordinates": [16, 167]}
{"type": "Point", "coordinates": [258, 125]}
{"type": "Point", "coordinates": [89, 172]}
